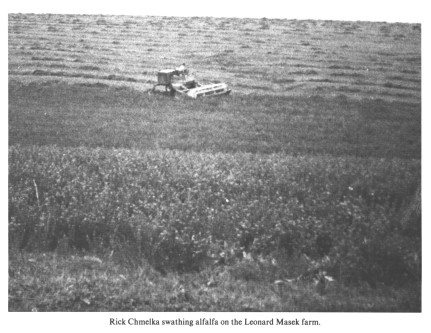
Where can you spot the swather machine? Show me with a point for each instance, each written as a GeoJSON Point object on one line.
{"type": "Point", "coordinates": [188, 86]}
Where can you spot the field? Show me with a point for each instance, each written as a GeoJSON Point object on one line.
{"type": "Point", "coordinates": [269, 57]}
{"type": "Point", "coordinates": [299, 192]}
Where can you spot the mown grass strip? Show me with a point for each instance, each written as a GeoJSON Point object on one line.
{"type": "Point", "coordinates": [100, 116]}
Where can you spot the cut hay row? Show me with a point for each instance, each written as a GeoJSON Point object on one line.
{"type": "Point", "coordinates": [264, 52]}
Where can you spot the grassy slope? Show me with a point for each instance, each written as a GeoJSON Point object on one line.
{"type": "Point", "coordinates": [76, 115]}
{"type": "Point", "coordinates": [73, 115]}
{"type": "Point", "coordinates": [123, 199]}
{"type": "Point", "coordinates": [275, 57]}
{"type": "Point", "coordinates": [56, 96]}
{"type": "Point", "coordinates": [47, 282]}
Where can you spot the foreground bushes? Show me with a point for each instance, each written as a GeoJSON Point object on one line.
{"type": "Point", "coordinates": [185, 211]}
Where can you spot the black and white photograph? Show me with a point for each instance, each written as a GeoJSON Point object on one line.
{"type": "Point", "coordinates": [199, 163]}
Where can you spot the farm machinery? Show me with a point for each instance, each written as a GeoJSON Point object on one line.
{"type": "Point", "coordinates": [179, 81]}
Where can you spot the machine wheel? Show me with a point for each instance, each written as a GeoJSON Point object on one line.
{"type": "Point", "coordinates": [152, 90]}
{"type": "Point", "coordinates": [170, 90]}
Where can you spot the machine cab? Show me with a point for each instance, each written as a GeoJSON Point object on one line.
{"type": "Point", "coordinates": [164, 77]}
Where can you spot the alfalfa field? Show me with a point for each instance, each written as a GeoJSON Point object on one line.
{"type": "Point", "coordinates": [300, 191]}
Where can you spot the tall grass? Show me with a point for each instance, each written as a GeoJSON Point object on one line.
{"type": "Point", "coordinates": [187, 211]}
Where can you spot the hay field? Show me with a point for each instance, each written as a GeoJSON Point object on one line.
{"type": "Point", "coordinates": [277, 57]}
{"type": "Point", "coordinates": [298, 192]}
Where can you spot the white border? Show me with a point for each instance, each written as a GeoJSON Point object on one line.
{"type": "Point", "coordinates": [412, 11]}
